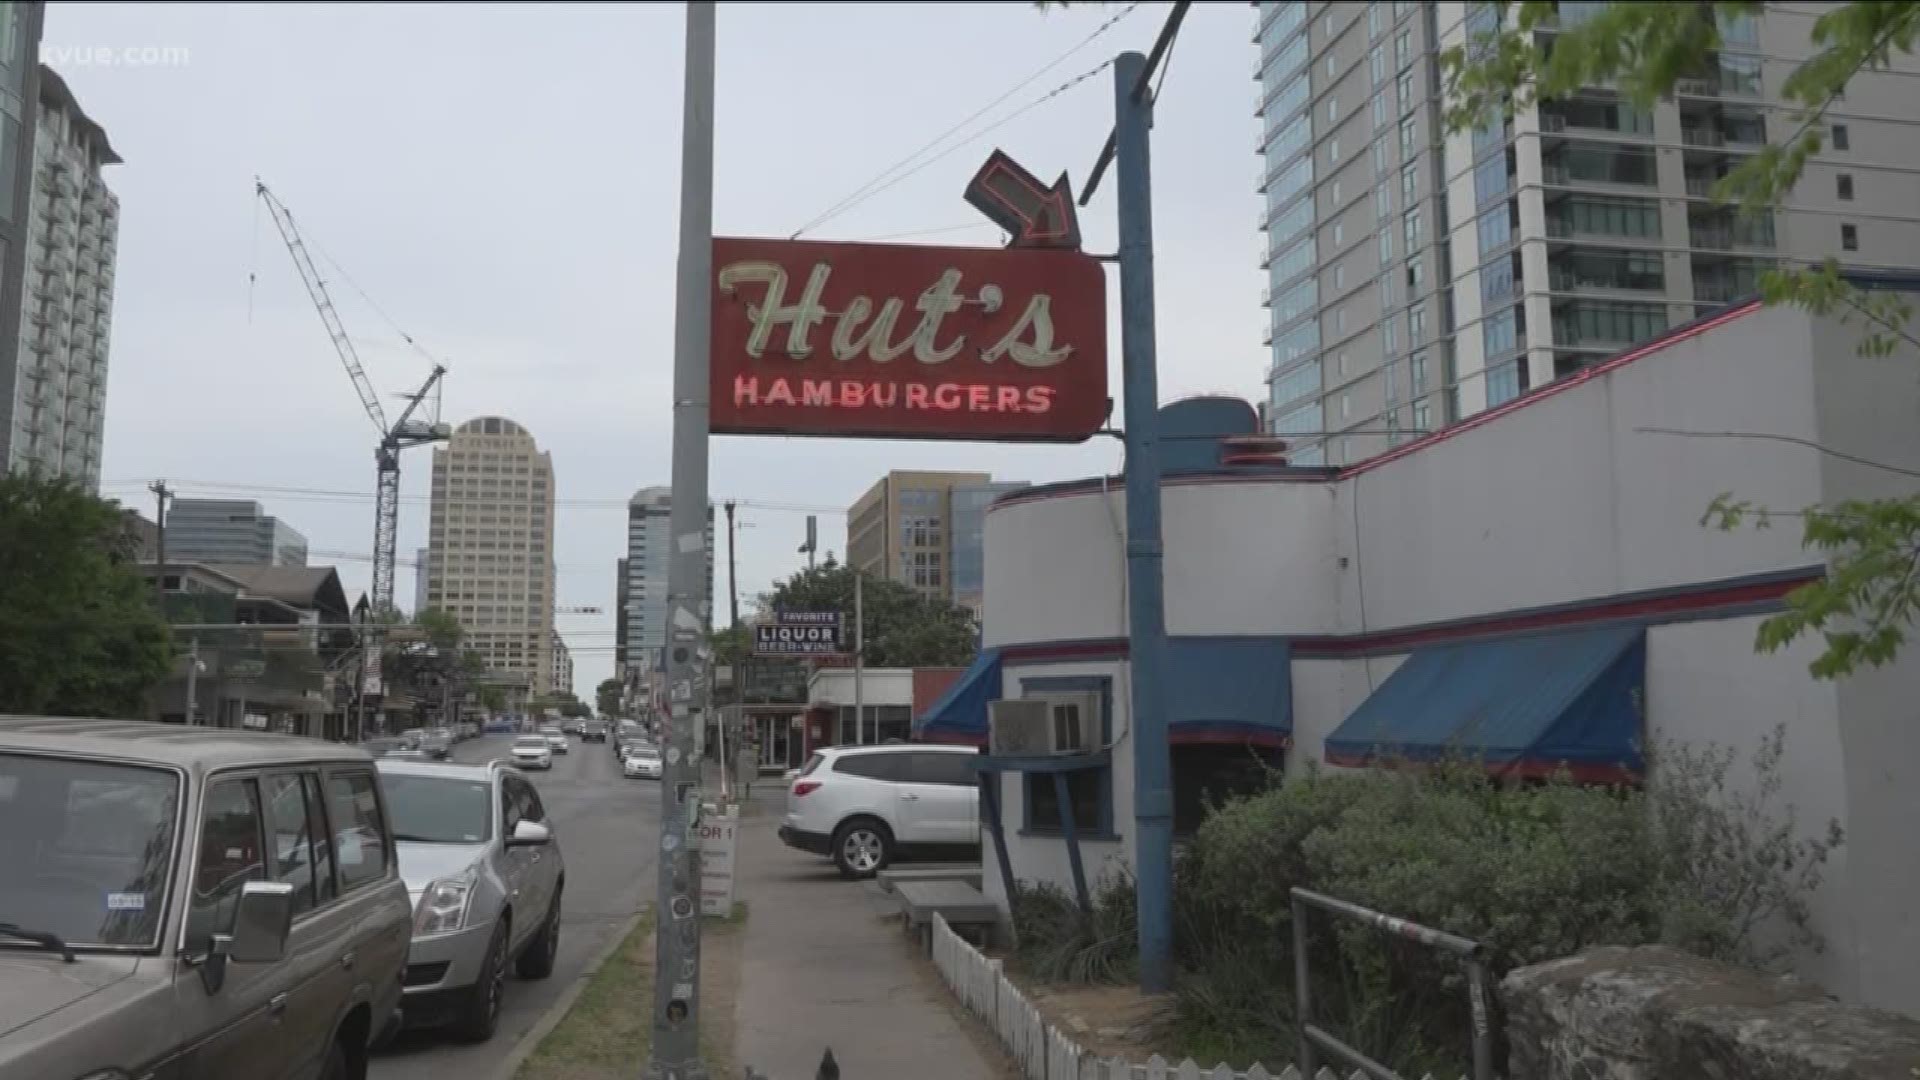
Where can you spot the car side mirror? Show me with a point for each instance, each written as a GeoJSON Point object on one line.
{"type": "Point", "coordinates": [530, 834]}
{"type": "Point", "coordinates": [262, 922]}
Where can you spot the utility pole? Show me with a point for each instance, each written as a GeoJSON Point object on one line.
{"type": "Point", "coordinates": [1146, 614]}
{"type": "Point", "coordinates": [161, 493]}
{"type": "Point", "coordinates": [675, 1050]}
{"type": "Point", "coordinates": [813, 539]}
{"type": "Point", "coordinates": [733, 584]}
{"type": "Point", "coordinates": [859, 659]}
{"type": "Point", "coordinates": [193, 681]}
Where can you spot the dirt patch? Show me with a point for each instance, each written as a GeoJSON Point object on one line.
{"type": "Point", "coordinates": [606, 1034]}
{"type": "Point", "coordinates": [1107, 1020]}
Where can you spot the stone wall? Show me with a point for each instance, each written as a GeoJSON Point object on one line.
{"type": "Point", "coordinates": [1654, 1013]}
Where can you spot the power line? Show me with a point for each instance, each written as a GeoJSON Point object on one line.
{"type": "Point", "coordinates": [294, 493]}
{"type": "Point", "coordinates": [881, 182]}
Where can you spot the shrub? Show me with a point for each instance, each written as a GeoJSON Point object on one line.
{"type": "Point", "coordinates": [1055, 942]}
{"type": "Point", "coordinates": [1534, 871]}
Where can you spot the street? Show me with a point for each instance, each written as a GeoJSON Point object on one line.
{"type": "Point", "coordinates": [607, 827]}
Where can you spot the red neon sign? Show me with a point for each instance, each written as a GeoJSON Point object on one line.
{"type": "Point", "coordinates": [908, 342]}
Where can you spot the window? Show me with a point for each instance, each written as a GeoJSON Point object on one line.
{"type": "Point", "coordinates": [1333, 110]}
{"type": "Point", "coordinates": [1386, 246]}
{"type": "Point", "coordinates": [1409, 182]}
{"type": "Point", "coordinates": [1379, 111]}
{"type": "Point", "coordinates": [1089, 791]}
{"type": "Point", "coordinates": [1388, 345]}
{"type": "Point", "coordinates": [1380, 157]}
{"type": "Point", "coordinates": [1301, 420]}
{"type": "Point", "coordinates": [360, 833]}
{"type": "Point", "coordinates": [1330, 68]}
{"type": "Point", "coordinates": [1393, 384]}
{"type": "Point", "coordinates": [1416, 275]}
{"type": "Point", "coordinates": [1382, 202]}
{"type": "Point", "coordinates": [1422, 416]}
{"type": "Point", "coordinates": [1413, 229]}
{"type": "Point", "coordinates": [949, 769]}
{"type": "Point", "coordinates": [1296, 302]}
{"type": "Point", "coordinates": [1295, 261]}
{"type": "Point", "coordinates": [1843, 185]}
{"type": "Point", "coordinates": [1849, 238]}
{"type": "Point", "coordinates": [232, 853]}
{"type": "Point", "coordinates": [1416, 326]}
{"type": "Point", "coordinates": [1204, 774]}
{"type": "Point", "coordinates": [1409, 127]}
{"type": "Point", "coordinates": [1339, 321]}
{"type": "Point", "coordinates": [1386, 290]}
{"type": "Point", "coordinates": [1377, 65]}
{"type": "Point", "coordinates": [1339, 233]}
{"type": "Point", "coordinates": [294, 834]}
{"type": "Point", "coordinates": [1297, 342]}
{"type": "Point", "coordinates": [1496, 281]}
{"type": "Point", "coordinates": [1373, 18]}
{"type": "Point", "coordinates": [1841, 140]}
{"type": "Point", "coordinates": [1417, 371]}
{"type": "Point", "coordinates": [1334, 196]}
{"type": "Point", "coordinates": [1503, 383]}
{"type": "Point", "coordinates": [1295, 384]}
{"type": "Point", "coordinates": [1340, 364]}
{"type": "Point", "coordinates": [1333, 151]}
{"type": "Point", "coordinates": [1405, 85]}
{"type": "Point", "coordinates": [1346, 406]}
{"type": "Point", "coordinates": [1500, 333]}
{"type": "Point", "coordinates": [1403, 49]}
{"type": "Point", "coordinates": [1340, 277]}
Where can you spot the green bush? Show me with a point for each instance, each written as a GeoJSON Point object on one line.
{"type": "Point", "coordinates": [1533, 871]}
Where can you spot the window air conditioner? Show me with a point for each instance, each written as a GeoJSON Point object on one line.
{"type": "Point", "coordinates": [1041, 726]}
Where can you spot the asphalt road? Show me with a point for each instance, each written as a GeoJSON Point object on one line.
{"type": "Point", "coordinates": [608, 828]}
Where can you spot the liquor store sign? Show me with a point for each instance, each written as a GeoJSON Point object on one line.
{"type": "Point", "coordinates": [798, 633]}
{"type": "Point", "coordinates": [907, 341]}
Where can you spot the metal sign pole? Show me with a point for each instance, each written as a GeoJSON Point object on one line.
{"type": "Point", "coordinates": [675, 1052]}
{"type": "Point", "coordinates": [1146, 618]}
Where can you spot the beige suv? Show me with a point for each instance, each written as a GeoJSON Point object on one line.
{"type": "Point", "coordinates": [193, 902]}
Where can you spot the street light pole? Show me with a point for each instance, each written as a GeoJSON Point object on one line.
{"type": "Point", "coordinates": [675, 1050]}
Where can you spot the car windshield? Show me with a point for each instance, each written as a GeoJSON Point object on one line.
{"type": "Point", "coordinates": [88, 849]}
{"type": "Point", "coordinates": [531, 742]}
{"type": "Point", "coordinates": [438, 809]}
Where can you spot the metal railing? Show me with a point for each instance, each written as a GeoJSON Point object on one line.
{"type": "Point", "coordinates": [1313, 1040]}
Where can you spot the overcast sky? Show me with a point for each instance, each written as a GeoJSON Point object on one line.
{"type": "Point", "coordinates": [501, 182]}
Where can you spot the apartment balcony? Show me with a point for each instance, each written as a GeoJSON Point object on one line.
{"type": "Point", "coordinates": [1730, 238]}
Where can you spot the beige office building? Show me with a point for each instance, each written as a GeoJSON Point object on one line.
{"type": "Point", "coordinates": [1417, 277]}
{"type": "Point", "coordinates": [924, 530]}
{"type": "Point", "coordinates": [490, 545]}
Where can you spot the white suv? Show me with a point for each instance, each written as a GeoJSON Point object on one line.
{"type": "Point", "coordinates": [866, 806]}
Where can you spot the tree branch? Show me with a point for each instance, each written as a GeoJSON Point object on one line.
{"type": "Point", "coordinates": [1856, 459]}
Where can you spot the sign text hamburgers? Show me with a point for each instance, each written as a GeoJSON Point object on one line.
{"type": "Point", "coordinates": [906, 341]}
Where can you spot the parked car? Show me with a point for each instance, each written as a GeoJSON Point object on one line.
{"type": "Point", "coordinates": [641, 763]}
{"type": "Point", "coordinates": [865, 807]}
{"type": "Point", "coordinates": [532, 752]}
{"type": "Point", "coordinates": [193, 902]}
{"type": "Point", "coordinates": [556, 739]}
{"type": "Point", "coordinates": [392, 747]}
{"type": "Point", "coordinates": [484, 871]}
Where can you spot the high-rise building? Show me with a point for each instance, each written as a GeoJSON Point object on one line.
{"type": "Point", "coordinates": [236, 531]}
{"type": "Point", "coordinates": [422, 565]}
{"type": "Point", "coordinates": [968, 504]}
{"type": "Point", "coordinates": [649, 560]}
{"type": "Point", "coordinates": [490, 545]}
{"type": "Point", "coordinates": [562, 666]}
{"type": "Point", "coordinates": [1417, 277]}
{"type": "Point", "coordinates": [922, 529]}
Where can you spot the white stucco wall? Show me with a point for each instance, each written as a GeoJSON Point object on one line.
{"type": "Point", "coordinates": [879, 686]}
{"type": "Point", "coordinates": [1566, 498]}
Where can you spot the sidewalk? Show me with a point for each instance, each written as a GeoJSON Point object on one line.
{"type": "Point", "coordinates": [826, 963]}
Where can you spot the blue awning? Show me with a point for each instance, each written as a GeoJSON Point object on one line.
{"type": "Point", "coordinates": [1219, 690]}
{"type": "Point", "coordinates": [1230, 690]}
{"type": "Point", "coordinates": [961, 713]}
{"type": "Point", "coordinates": [1522, 706]}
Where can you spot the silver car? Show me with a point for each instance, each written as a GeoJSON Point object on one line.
{"type": "Point", "coordinates": [484, 872]}
{"type": "Point", "coordinates": [192, 902]}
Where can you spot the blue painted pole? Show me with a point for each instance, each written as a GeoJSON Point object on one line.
{"type": "Point", "coordinates": [1146, 614]}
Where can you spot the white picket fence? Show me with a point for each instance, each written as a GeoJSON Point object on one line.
{"type": "Point", "coordinates": [1043, 1051]}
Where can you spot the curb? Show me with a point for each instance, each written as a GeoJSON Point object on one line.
{"type": "Point", "coordinates": [557, 1012]}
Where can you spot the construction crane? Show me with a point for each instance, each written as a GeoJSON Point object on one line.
{"type": "Point", "coordinates": [399, 435]}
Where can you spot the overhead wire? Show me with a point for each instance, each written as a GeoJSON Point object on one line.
{"type": "Point", "coordinates": [330, 495]}
{"type": "Point", "coordinates": [881, 182]}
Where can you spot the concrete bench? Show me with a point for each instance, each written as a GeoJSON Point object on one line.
{"type": "Point", "coordinates": [965, 908]}
{"type": "Point", "coordinates": [964, 873]}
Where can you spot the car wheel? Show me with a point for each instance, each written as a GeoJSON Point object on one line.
{"type": "Point", "coordinates": [536, 960]}
{"type": "Point", "coordinates": [480, 1015]}
{"type": "Point", "coordinates": [862, 848]}
{"type": "Point", "coordinates": [335, 1067]}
